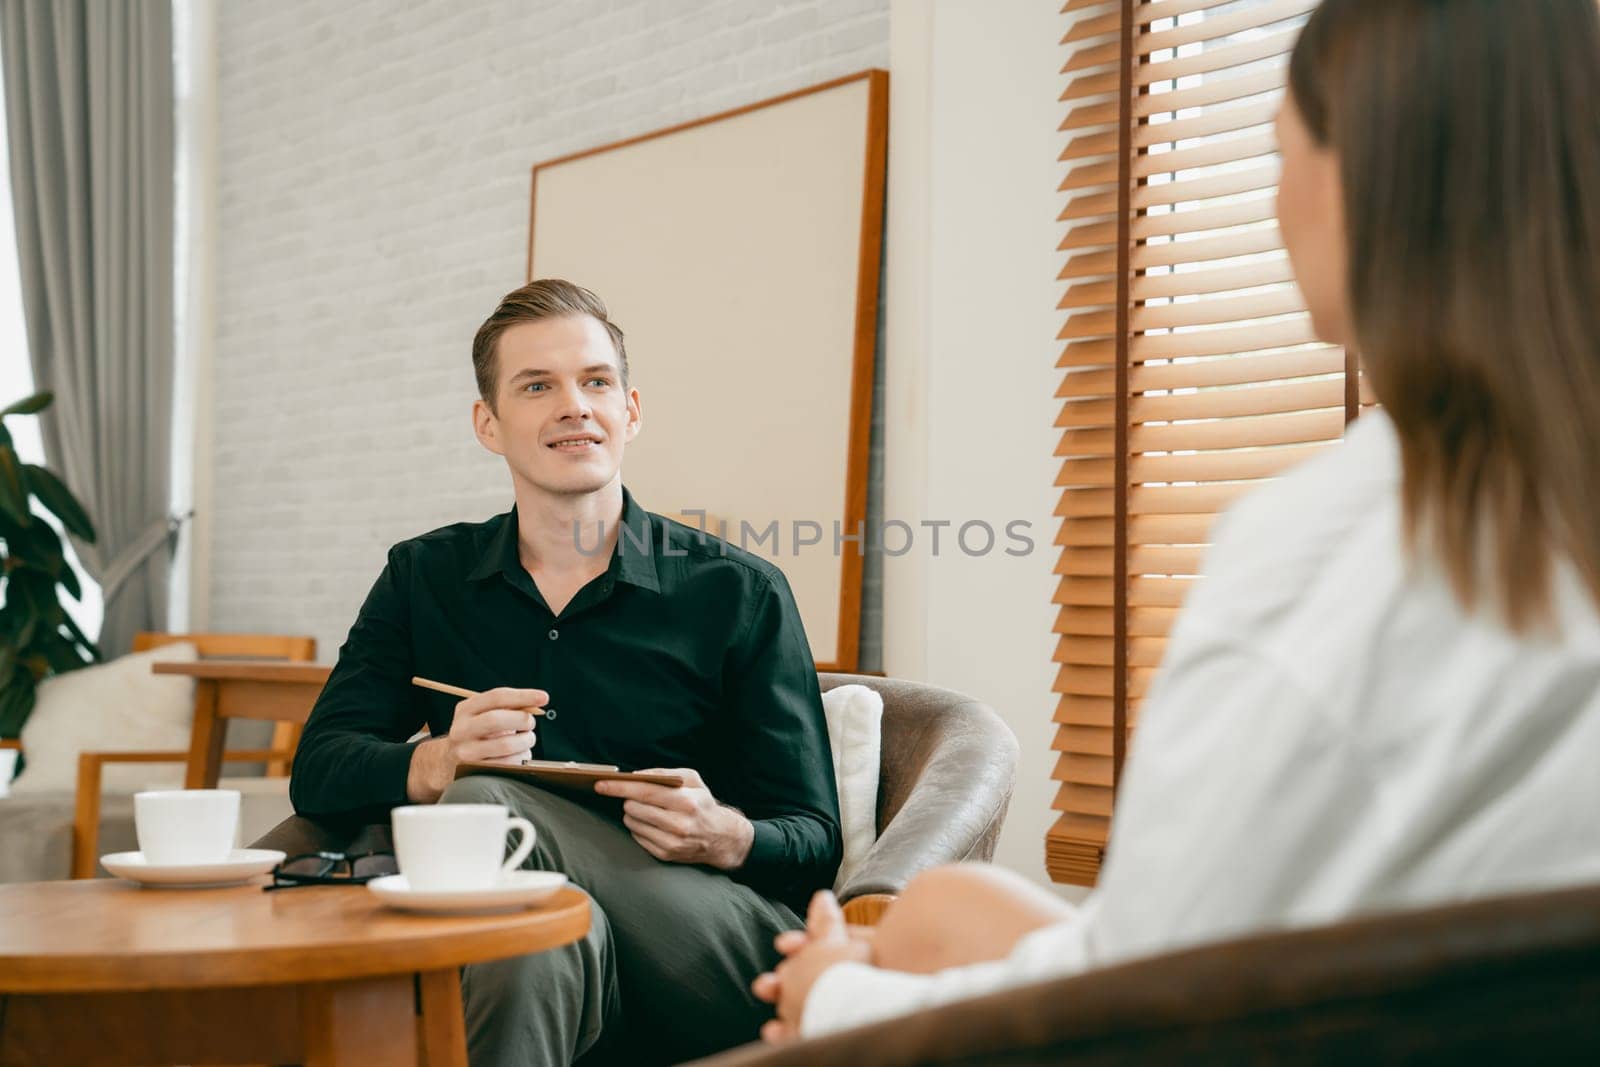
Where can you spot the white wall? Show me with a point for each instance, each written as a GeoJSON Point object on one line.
{"type": "Point", "coordinates": [373, 165]}
{"type": "Point", "coordinates": [970, 364]}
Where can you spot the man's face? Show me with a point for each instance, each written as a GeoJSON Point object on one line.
{"type": "Point", "coordinates": [563, 416]}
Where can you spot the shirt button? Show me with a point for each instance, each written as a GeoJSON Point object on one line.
{"type": "Point", "coordinates": [554, 634]}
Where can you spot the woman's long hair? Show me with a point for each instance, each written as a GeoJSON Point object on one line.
{"type": "Point", "coordinates": [1468, 136]}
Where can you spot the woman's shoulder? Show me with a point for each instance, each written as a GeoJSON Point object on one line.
{"type": "Point", "coordinates": [1335, 514]}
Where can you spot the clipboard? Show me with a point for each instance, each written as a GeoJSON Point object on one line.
{"type": "Point", "coordinates": [565, 774]}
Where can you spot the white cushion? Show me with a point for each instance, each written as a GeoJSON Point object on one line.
{"type": "Point", "coordinates": [111, 707]}
{"type": "Point", "coordinates": [855, 717]}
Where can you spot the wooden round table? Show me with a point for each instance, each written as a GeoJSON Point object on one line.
{"type": "Point", "coordinates": [105, 972]}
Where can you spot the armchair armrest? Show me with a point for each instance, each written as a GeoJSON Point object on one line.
{"type": "Point", "coordinates": [956, 771]}
{"type": "Point", "coordinates": [297, 835]}
{"type": "Point", "coordinates": [86, 815]}
{"type": "Point", "coordinates": [1468, 982]}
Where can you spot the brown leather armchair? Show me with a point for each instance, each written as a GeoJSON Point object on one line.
{"type": "Point", "coordinates": [1511, 980]}
{"type": "Point", "coordinates": [948, 767]}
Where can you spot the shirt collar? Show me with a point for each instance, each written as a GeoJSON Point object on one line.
{"type": "Point", "coordinates": [629, 563]}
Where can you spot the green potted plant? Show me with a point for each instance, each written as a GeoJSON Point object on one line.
{"type": "Point", "coordinates": [37, 636]}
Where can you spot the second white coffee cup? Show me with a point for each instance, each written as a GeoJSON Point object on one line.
{"type": "Point", "coordinates": [457, 846]}
{"type": "Point", "coordinates": [186, 826]}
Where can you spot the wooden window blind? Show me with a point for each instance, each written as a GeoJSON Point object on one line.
{"type": "Point", "coordinates": [1190, 369]}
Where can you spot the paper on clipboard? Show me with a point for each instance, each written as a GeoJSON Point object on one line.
{"type": "Point", "coordinates": [567, 774]}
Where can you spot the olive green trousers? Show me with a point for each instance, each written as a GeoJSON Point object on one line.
{"type": "Point", "coordinates": [664, 973]}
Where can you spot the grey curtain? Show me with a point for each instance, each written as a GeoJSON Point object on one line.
{"type": "Point", "coordinates": [89, 115]}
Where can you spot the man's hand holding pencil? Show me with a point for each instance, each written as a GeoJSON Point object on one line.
{"type": "Point", "coordinates": [495, 726]}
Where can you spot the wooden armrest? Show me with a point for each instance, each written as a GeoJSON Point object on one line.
{"type": "Point", "coordinates": [867, 909]}
{"type": "Point", "coordinates": [86, 814]}
{"type": "Point", "coordinates": [242, 755]}
{"type": "Point", "coordinates": [11, 742]}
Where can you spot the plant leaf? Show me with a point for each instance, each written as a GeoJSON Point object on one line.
{"type": "Point", "coordinates": [54, 494]}
{"type": "Point", "coordinates": [13, 498]}
{"type": "Point", "coordinates": [29, 405]}
{"type": "Point", "coordinates": [16, 701]}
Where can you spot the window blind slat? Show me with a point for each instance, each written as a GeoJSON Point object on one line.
{"type": "Point", "coordinates": [1211, 280]}
{"type": "Point", "coordinates": [1296, 427]}
{"type": "Point", "coordinates": [1211, 466]}
{"type": "Point", "coordinates": [1217, 309]}
{"type": "Point", "coordinates": [1233, 403]}
{"type": "Point", "coordinates": [1238, 370]}
{"type": "Point", "coordinates": [1227, 183]}
{"type": "Point", "coordinates": [1219, 90]}
{"type": "Point", "coordinates": [1082, 710]}
{"type": "Point", "coordinates": [1145, 622]}
{"type": "Point", "coordinates": [1091, 56]}
{"type": "Point", "coordinates": [1094, 84]}
{"type": "Point", "coordinates": [1184, 499]}
{"type": "Point", "coordinates": [1083, 769]}
{"type": "Point", "coordinates": [1214, 59]}
{"type": "Point", "coordinates": [1241, 243]}
{"type": "Point", "coordinates": [1090, 740]}
{"type": "Point", "coordinates": [1235, 147]}
{"type": "Point", "coordinates": [1089, 799]}
{"type": "Point", "coordinates": [1088, 294]}
{"type": "Point", "coordinates": [1086, 354]}
{"type": "Point", "coordinates": [1219, 120]}
{"type": "Point", "coordinates": [1088, 265]}
{"type": "Point", "coordinates": [1209, 29]}
{"type": "Point", "coordinates": [1093, 26]}
{"type": "Point", "coordinates": [1198, 220]}
{"type": "Point", "coordinates": [1171, 9]}
{"type": "Point", "coordinates": [1221, 342]}
{"type": "Point", "coordinates": [1088, 207]}
{"type": "Point", "coordinates": [1089, 145]}
{"type": "Point", "coordinates": [1090, 175]}
{"type": "Point", "coordinates": [1088, 235]}
{"type": "Point", "coordinates": [1086, 115]}
{"type": "Point", "coordinates": [1223, 466]}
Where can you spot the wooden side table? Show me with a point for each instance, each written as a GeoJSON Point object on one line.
{"type": "Point", "coordinates": [104, 972]}
{"type": "Point", "coordinates": [241, 689]}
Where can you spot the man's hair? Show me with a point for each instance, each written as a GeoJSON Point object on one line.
{"type": "Point", "coordinates": [547, 298]}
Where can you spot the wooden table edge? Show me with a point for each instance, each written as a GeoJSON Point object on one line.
{"type": "Point", "coordinates": [246, 670]}
{"type": "Point", "coordinates": [568, 917]}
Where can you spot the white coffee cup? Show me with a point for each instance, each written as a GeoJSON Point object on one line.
{"type": "Point", "coordinates": [186, 826]}
{"type": "Point", "coordinates": [457, 846]}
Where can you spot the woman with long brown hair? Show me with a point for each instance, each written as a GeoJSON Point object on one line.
{"type": "Point", "coordinates": [1386, 691]}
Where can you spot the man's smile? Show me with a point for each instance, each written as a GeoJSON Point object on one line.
{"type": "Point", "coordinates": [580, 442]}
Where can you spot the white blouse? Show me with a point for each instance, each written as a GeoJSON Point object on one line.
{"type": "Point", "coordinates": [1330, 734]}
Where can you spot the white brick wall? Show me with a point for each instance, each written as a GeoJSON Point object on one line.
{"type": "Point", "coordinates": [373, 163]}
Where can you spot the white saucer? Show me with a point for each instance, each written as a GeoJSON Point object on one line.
{"type": "Point", "coordinates": [516, 890]}
{"type": "Point", "coordinates": [241, 865]}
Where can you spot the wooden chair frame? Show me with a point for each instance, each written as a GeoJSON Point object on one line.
{"type": "Point", "coordinates": [285, 735]}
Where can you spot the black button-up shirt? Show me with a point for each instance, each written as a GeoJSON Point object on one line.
{"type": "Point", "coordinates": [686, 652]}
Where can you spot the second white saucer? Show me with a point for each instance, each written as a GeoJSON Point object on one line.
{"type": "Point", "coordinates": [516, 889]}
{"type": "Point", "coordinates": [241, 865]}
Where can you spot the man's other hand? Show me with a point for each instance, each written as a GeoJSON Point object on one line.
{"type": "Point", "coordinates": [496, 726]}
{"type": "Point", "coordinates": [683, 824]}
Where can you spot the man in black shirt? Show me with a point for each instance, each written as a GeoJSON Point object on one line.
{"type": "Point", "coordinates": [659, 647]}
